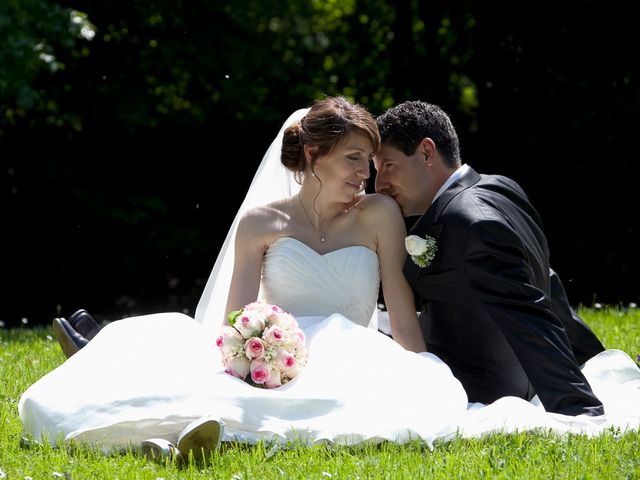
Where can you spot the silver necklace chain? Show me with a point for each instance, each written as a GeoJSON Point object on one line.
{"type": "Point", "coordinates": [323, 237]}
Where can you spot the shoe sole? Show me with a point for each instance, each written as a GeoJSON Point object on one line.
{"type": "Point", "coordinates": [84, 324]}
{"type": "Point", "coordinates": [65, 341]}
{"type": "Point", "coordinates": [201, 438]}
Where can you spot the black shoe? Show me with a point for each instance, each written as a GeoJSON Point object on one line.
{"type": "Point", "coordinates": [70, 341]}
{"type": "Point", "coordinates": [83, 323]}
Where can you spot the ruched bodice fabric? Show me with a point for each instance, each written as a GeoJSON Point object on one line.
{"type": "Point", "coordinates": [306, 283]}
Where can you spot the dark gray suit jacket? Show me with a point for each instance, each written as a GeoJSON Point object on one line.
{"type": "Point", "coordinates": [493, 309]}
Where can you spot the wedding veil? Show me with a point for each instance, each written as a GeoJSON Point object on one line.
{"type": "Point", "coordinates": [271, 182]}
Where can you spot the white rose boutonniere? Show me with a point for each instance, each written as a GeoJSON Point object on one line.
{"type": "Point", "coordinates": [422, 250]}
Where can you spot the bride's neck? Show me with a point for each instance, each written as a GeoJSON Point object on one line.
{"type": "Point", "coordinates": [317, 207]}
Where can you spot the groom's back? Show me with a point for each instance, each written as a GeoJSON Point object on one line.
{"type": "Point", "coordinates": [503, 200]}
{"type": "Point", "coordinates": [463, 329]}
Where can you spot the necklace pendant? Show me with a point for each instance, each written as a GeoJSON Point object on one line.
{"type": "Point", "coordinates": [322, 239]}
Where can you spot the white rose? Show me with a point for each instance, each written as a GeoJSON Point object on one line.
{"type": "Point", "coordinates": [415, 245]}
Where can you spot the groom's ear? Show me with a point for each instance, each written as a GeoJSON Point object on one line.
{"type": "Point", "coordinates": [428, 148]}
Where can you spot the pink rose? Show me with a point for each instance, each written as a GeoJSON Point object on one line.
{"type": "Point", "coordinates": [274, 335]}
{"type": "Point", "coordinates": [258, 308]}
{"type": "Point", "coordinates": [274, 380]}
{"type": "Point", "coordinates": [230, 342]}
{"type": "Point", "coordinates": [237, 366]}
{"type": "Point", "coordinates": [260, 372]}
{"type": "Point", "coordinates": [254, 348]}
{"type": "Point", "coordinates": [282, 319]}
{"type": "Point", "coordinates": [296, 368]}
{"type": "Point", "coordinates": [284, 360]}
{"type": "Point", "coordinates": [250, 323]}
{"type": "Point", "coordinates": [298, 338]}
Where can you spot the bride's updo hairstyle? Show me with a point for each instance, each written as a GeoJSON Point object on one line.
{"type": "Point", "coordinates": [328, 121]}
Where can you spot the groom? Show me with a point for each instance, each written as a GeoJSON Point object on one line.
{"type": "Point", "coordinates": [492, 308]}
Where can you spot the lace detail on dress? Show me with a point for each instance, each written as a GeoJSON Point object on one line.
{"type": "Point", "coordinates": [306, 283]}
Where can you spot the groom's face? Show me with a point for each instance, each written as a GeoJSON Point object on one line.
{"type": "Point", "coordinates": [404, 178]}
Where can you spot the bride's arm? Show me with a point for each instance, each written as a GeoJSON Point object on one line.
{"type": "Point", "coordinates": [398, 295]}
{"type": "Point", "coordinates": [247, 265]}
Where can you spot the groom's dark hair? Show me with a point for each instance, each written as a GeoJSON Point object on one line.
{"type": "Point", "coordinates": [405, 125]}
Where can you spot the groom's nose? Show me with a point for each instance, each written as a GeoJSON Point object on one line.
{"type": "Point", "coordinates": [381, 183]}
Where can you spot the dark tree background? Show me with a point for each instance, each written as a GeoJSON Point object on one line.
{"type": "Point", "coordinates": [121, 123]}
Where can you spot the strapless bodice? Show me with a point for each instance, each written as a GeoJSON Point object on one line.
{"type": "Point", "coordinates": [306, 283]}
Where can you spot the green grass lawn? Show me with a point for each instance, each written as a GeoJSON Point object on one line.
{"type": "Point", "coordinates": [27, 354]}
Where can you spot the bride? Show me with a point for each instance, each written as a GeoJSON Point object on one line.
{"type": "Point", "coordinates": [317, 249]}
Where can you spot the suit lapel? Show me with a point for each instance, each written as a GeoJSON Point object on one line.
{"type": "Point", "coordinates": [429, 223]}
{"type": "Point", "coordinates": [465, 181]}
{"type": "Point", "coordinates": [432, 215]}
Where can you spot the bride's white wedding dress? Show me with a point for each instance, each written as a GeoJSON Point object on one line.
{"type": "Point", "coordinates": [150, 376]}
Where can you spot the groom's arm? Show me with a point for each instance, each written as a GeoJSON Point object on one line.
{"type": "Point", "coordinates": [503, 287]}
{"type": "Point", "coordinates": [584, 342]}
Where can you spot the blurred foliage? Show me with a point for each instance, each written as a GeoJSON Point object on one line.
{"type": "Point", "coordinates": [117, 123]}
{"type": "Point", "coordinates": [35, 35]}
{"type": "Point", "coordinates": [174, 63]}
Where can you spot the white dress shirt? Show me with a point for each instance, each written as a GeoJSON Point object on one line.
{"type": "Point", "coordinates": [454, 176]}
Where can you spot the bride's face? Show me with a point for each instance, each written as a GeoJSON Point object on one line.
{"type": "Point", "coordinates": [345, 169]}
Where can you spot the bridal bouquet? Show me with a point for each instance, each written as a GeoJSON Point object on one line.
{"type": "Point", "coordinates": [262, 345]}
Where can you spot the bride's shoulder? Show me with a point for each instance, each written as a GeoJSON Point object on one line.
{"type": "Point", "coordinates": [377, 204]}
{"type": "Point", "coordinates": [378, 212]}
{"type": "Point", "coordinates": [263, 217]}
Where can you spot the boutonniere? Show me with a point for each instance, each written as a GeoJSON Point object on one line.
{"type": "Point", "coordinates": [422, 250]}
